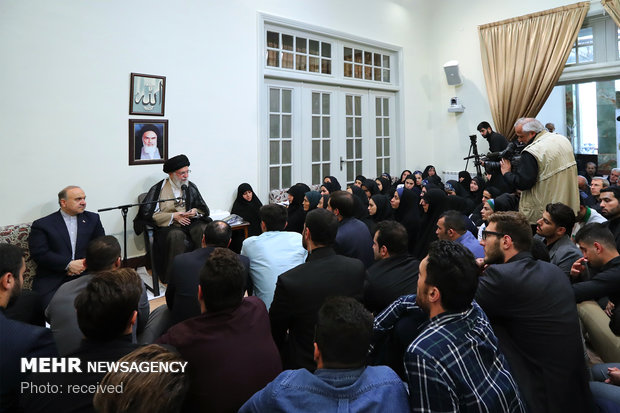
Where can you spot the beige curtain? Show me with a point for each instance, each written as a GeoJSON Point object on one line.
{"type": "Point", "coordinates": [523, 59]}
{"type": "Point", "coordinates": [613, 8]}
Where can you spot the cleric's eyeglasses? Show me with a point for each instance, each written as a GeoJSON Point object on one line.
{"type": "Point", "coordinates": [486, 233]}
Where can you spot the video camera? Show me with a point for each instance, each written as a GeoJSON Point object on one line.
{"type": "Point", "coordinates": [512, 153]}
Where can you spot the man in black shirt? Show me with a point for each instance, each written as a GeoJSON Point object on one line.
{"type": "Point", "coordinates": [497, 142]}
{"type": "Point", "coordinates": [394, 272]}
{"type": "Point", "coordinates": [610, 209]}
{"type": "Point", "coordinates": [597, 275]}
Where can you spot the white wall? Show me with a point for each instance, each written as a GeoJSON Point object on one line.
{"type": "Point", "coordinates": [64, 79]}
{"type": "Point", "coordinates": [454, 32]}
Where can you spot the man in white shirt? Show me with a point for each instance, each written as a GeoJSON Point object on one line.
{"type": "Point", "coordinates": [273, 252]}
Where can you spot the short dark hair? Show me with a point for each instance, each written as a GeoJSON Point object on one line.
{"type": "Point", "coordinates": [105, 307]}
{"type": "Point", "coordinates": [342, 201]}
{"type": "Point", "coordinates": [343, 332]}
{"type": "Point", "coordinates": [453, 270]}
{"type": "Point", "coordinates": [11, 259]}
{"type": "Point", "coordinates": [222, 280]}
{"type": "Point", "coordinates": [138, 394]}
{"type": "Point", "coordinates": [323, 226]}
{"type": "Point", "coordinates": [516, 225]}
{"type": "Point", "coordinates": [218, 234]}
{"type": "Point", "coordinates": [483, 125]}
{"type": "Point", "coordinates": [454, 220]}
{"type": "Point", "coordinates": [102, 253]}
{"type": "Point", "coordinates": [562, 215]}
{"type": "Point", "coordinates": [274, 216]}
{"type": "Point", "coordinates": [614, 189]}
{"type": "Point", "coordinates": [394, 236]}
{"type": "Point", "coordinates": [596, 232]}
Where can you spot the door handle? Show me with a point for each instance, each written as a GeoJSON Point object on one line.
{"type": "Point", "coordinates": [342, 161]}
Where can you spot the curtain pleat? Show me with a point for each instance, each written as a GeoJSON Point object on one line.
{"type": "Point", "coordinates": [523, 59]}
{"type": "Point", "coordinates": [613, 8]}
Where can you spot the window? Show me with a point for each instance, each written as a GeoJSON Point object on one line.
{"type": "Point", "coordinates": [298, 53]}
{"type": "Point", "coordinates": [321, 132]}
{"type": "Point", "coordinates": [584, 105]}
{"type": "Point", "coordinates": [382, 133]}
{"type": "Point", "coordinates": [366, 65]}
{"type": "Point", "coordinates": [280, 138]}
{"type": "Point", "coordinates": [327, 107]}
{"type": "Point", "coordinates": [583, 50]}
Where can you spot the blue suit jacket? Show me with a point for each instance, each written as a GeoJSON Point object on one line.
{"type": "Point", "coordinates": [50, 247]}
{"type": "Point", "coordinates": [19, 340]}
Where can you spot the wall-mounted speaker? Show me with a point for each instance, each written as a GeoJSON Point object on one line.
{"type": "Point", "coordinates": [452, 73]}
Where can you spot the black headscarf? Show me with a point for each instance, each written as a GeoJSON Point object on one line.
{"type": "Point", "coordinates": [476, 196]}
{"type": "Point", "coordinates": [384, 209]}
{"type": "Point", "coordinates": [385, 185]}
{"type": "Point", "coordinates": [437, 201]}
{"type": "Point", "coordinates": [458, 189]}
{"type": "Point", "coordinates": [371, 185]}
{"type": "Point", "coordinates": [361, 178]}
{"type": "Point", "coordinates": [296, 213]}
{"type": "Point", "coordinates": [361, 202]}
{"type": "Point", "coordinates": [403, 175]}
{"type": "Point", "coordinates": [248, 210]}
{"type": "Point", "coordinates": [334, 183]}
{"type": "Point", "coordinates": [330, 187]}
{"type": "Point", "coordinates": [466, 180]}
{"type": "Point", "coordinates": [408, 213]}
{"type": "Point", "coordinates": [425, 172]}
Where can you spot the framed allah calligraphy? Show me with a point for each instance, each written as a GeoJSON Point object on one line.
{"type": "Point", "coordinates": [147, 95]}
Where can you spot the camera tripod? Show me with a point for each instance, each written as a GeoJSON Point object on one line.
{"type": "Point", "coordinates": [473, 147]}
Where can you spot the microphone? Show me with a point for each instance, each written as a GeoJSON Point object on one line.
{"type": "Point", "coordinates": [185, 196]}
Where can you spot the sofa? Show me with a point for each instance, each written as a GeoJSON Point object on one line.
{"type": "Point", "coordinates": [18, 235]}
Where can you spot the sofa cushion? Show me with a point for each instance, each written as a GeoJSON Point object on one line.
{"type": "Point", "coordinates": [18, 235]}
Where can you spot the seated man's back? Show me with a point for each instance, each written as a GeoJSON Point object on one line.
{"type": "Point", "coordinates": [102, 254]}
{"type": "Point", "coordinates": [342, 382]}
{"type": "Point", "coordinates": [273, 252]}
{"type": "Point", "coordinates": [301, 291]}
{"type": "Point", "coordinates": [229, 347]}
{"type": "Point", "coordinates": [106, 312]}
{"type": "Point", "coordinates": [184, 277]}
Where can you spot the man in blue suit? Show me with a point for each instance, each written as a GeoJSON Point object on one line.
{"type": "Point", "coordinates": [353, 238]}
{"type": "Point", "coordinates": [58, 242]}
{"type": "Point", "coordinates": [17, 339]}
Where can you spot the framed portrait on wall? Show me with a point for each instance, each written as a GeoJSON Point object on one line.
{"type": "Point", "coordinates": [148, 141]}
{"type": "Point", "coordinates": [147, 95]}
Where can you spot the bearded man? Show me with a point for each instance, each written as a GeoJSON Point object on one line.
{"type": "Point", "coordinates": [530, 304]}
{"type": "Point", "coordinates": [149, 135]}
{"type": "Point", "coordinates": [179, 217]}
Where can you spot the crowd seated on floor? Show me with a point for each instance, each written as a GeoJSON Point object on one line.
{"type": "Point", "coordinates": [386, 294]}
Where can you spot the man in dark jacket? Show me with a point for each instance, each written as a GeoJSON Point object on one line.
{"type": "Point", "coordinates": [531, 306]}
{"type": "Point", "coordinates": [182, 290]}
{"type": "Point", "coordinates": [300, 292]}
{"type": "Point", "coordinates": [394, 272]}
{"type": "Point", "coordinates": [353, 238]}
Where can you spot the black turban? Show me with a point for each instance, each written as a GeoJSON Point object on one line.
{"type": "Point", "coordinates": [175, 163]}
